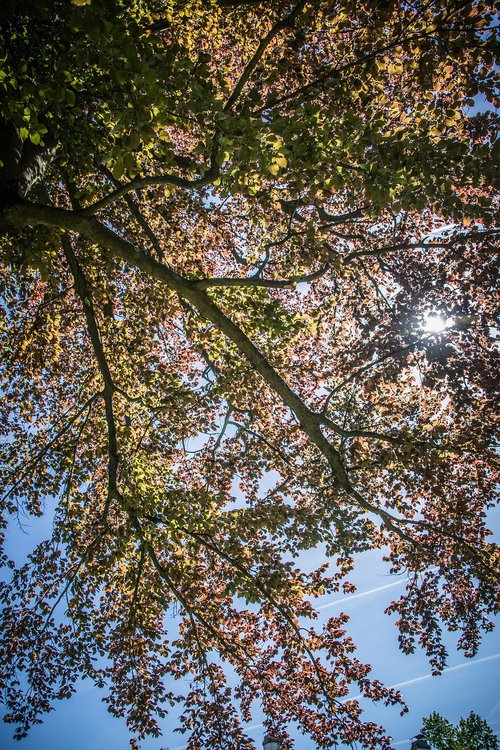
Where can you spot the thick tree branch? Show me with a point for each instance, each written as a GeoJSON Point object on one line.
{"type": "Point", "coordinates": [83, 290]}
{"type": "Point", "coordinates": [255, 281]}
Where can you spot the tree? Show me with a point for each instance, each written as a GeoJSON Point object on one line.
{"type": "Point", "coordinates": [472, 733]}
{"type": "Point", "coordinates": [228, 231]}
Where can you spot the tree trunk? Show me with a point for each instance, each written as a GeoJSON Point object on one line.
{"type": "Point", "coordinates": [22, 163]}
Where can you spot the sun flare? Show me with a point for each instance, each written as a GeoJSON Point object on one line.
{"type": "Point", "coordinates": [435, 323]}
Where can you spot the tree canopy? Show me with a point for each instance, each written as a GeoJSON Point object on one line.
{"type": "Point", "coordinates": [472, 733]}
{"type": "Point", "coordinates": [248, 288]}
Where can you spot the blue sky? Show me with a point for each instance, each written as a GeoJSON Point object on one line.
{"type": "Point", "coordinates": [468, 684]}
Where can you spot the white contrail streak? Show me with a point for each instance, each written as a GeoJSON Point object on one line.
{"type": "Point", "coordinates": [346, 599]}
{"type": "Point", "coordinates": [349, 598]}
{"type": "Point", "coordinates": [464, 664]}
{"type": "Point", "coordinates": [427, 676]}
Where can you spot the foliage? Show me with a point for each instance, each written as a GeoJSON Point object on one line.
{"type": "Point", "coordinates": [224, 224]}
{"type": "Point", "coordinates": [472, 733]}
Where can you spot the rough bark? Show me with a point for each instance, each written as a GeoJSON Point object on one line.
{"type": "Point", "coordinates": [23, 164]}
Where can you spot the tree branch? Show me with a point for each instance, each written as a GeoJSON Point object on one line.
{"type": "Point", "coordinates": [136, 213]}
{"type": "Point", "coordinates": [255, 281]}
{"type": "Point", "coordinates": [459, 237]}
{"type": "Point", "coordinates": [335, 72]}
{"type": "Point", "coordinates": [83, 290]}
{"type": "Point", "coordinates": [139, 183]}
{"type": "Point", "coordinates": [280, 25]}
{"type": "Point", "coordinates": [34, 459]}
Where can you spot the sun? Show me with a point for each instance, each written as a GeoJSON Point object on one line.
{"type": "Point", "coordinates": [435, 323]}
